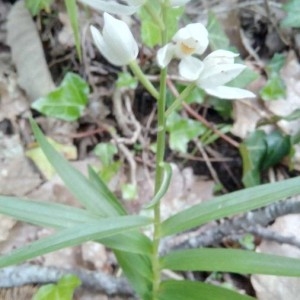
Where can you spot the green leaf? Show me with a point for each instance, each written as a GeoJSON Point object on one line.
{"type": "Point", "coordinates": [173, 16]}
{"type": "Point", "coordinates": [138, 271]}
{"type": "Point", "coordinates": [295, 115]}
{"type": "Point", "coordinates": [133, 242]}
{"type": "Point", "coordinates": [261, 151]}
{"type": "Point", "coordinates": [150, 34]}
{"type": "Point", "coordinates": [224, 108]}
{"type": "Point", "coordinates": [197, 95]}
{"type": "Point", "coordinates": [182, 131]}
{"type": "Point", "coordinates": [278, 146]}
{"type": "Point", "coordinates": [217, 36]}
{"type": "Point", "coordinates": [63, 290]}
{"type": "Point", "coordinates": [276, 64]}
{"type": "Point", "coordinates": [125, 80]}
{"type": "Point", "coordinates": [164, 186]}
{"type": "Point", "coordinates": [129, 191]}
{"type": "Point", "coordinates": [274, 89]}
{"type": "Point", "coordinates": [106, 152]}
{"type": "Point", "coordinates": [103, 189]}
{"type": "Point", "coordinates": [190, 290]}
{"type": "Point", "coordinates": [73, 236]}
{"type": "Point", "coordinates": [67, 102]}
{"type": "Point", "coordinates": [230, 204]}
{"type": "Point", "coordinates": [293, 11]}
{"type": "Point", "coordinates": [41, 213]}
{"type": "Point", "coordinates": [253, 150]}
{"type": "Point", "coordinates": [74, 17]}
{"type": "Point", "coordinates": [244, 79]}
{"type": "Point", "coordinates": [231, 260]}
{"type": "Point", "coordinates": [94, 199]}
{"type": "Point", "coordinates": [35, 6]}
{"type": "Point", "coordinates": [248, 241]}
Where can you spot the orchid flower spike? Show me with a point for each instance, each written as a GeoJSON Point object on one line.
{"type": "Point", "coordinates": [189, 40]}
{"type": "Point", "coordinates": [116, 43]}
{"type": "Point", "coordinates": [113, 7]}
{"type": "Point", "coordinates": [218, 69]}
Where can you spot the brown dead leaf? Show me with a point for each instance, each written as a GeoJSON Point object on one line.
{"type": "Point", "coordinates": [290, 74]}
{"type": "Point", "coordinates": [27, 53]}
{"type": "Point", "coordinates": [66, 36]}
{"type": "Point", "coordinates": [276, 287]}
{"type": "Point", "coordinates": [16, 175]}
{"type": "Point", "coordinates": [13, 102]}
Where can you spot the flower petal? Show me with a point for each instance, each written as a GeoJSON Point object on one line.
{"type": "Point", "coordinates": [220, 57]}
{"type": "Point", "coordinates": [119, 40]}
{"type": "Point", "coordinates": [195, 31]}
{"type": "Point", "coordinates": [116, 43]}
{"type": "Point", "coordinates": [190, 68]}
{"type": "Point", "coordinates": [111, 7]}
{"type": "Point", "coordinates": [226, 92]}
{"type": "Point", "coordinates": [164, 55]}
{"type": "Point", "coordinates": [216, 75]}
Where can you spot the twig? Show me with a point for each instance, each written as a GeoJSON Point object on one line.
{"type": "Point", "coordinates": [208, 163]}
{"type": "Point", "coordinates": [198, 117]}
{"type": "Point", "coordinates": [32, 274]}
{"type": "Point", "coordinates": [250, 222]}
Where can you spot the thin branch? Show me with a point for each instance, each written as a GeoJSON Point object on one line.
{"type": "Point", "coordinates": [251, 222]}
{"type": "Point", "coordinates": [32, 274]}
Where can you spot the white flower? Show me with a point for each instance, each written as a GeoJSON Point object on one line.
{"type": "Point", "coordinates": [116, 43]}
{"type": "Point", "coordinates": [114, 7]}
{"type": "Point", "coordinates": [218, 69]}
{"type": "Point", "coordinates": [192, 39]}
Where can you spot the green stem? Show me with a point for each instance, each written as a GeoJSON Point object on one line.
{"type": "Point", "coordinates": [135, 68]}
{"type": "Point", "coordinates": [179, 99]}
{"type": "Point", "coordinates": [160, 153]}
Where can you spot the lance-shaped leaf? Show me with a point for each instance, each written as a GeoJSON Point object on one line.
{"type": "Point", "coordinates": [75, 236]}
{"type": "Point", "coordinates": [230, 204]}
{"type": "Point", "coordinates": [94, 199]}
{"type": "Point", "coordinates": [59, 216]}
{"type": "Point", "coordinates": [138, 271]}
{"type": "Point", "coordinates": [190, 290]}
{"type": "Point", "coordinates": [231, 260]}
{"type": "Point", "coordinates": [44, 214]}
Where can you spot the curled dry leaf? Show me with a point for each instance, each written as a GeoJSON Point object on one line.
{"type": "Point", "coordinates": [27, 53]}
{"type": "Point", "coordinates": [290, 74]}
{"type": "Point", "coordinates": [276, 287]}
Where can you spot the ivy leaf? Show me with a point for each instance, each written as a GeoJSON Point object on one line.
{"type": "Point", "coordinates": [173, 17]}
{"type": "Point", "coordinates": [150, 32]}
{"type": "Point", "coordinates": [276, 64]}
{"type": "Point", "coordinates": [278, 146]}
{"type": "Point", "coordinates": [293, 11]}
{"type": "Point", "coordinates": [217, 36]}
{"type": "Point", "coordinates": [106, 152]}
{"type": "Point", "coordinates": [252, 151]}
{"type": "Point", "coordinates": [35, 6]}
{"type": "Point", "coordinates": [67, 102]}
{"type": "Point", "coordinates": [275, 87]}
{"type": "Point", "coordinates": [260, 151]}
{"type": "Point", "coordinates": [125, 80]}
{"type": "Point", "coordinates": [182, 131]}
{"type": "Point", "coordinates": [63, 290]}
